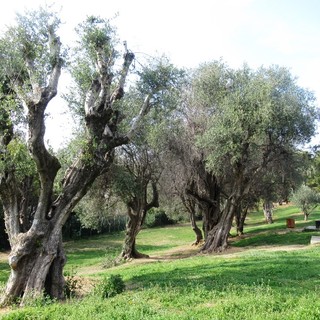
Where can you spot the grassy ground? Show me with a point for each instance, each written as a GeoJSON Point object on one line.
{"type": "Point", "coordinates": [270, 273]}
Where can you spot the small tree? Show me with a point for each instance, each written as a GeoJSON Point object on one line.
{"type": "Point", "coordinates": [306, 199]}
{"type": "Point", "coordinates": [135, 181]}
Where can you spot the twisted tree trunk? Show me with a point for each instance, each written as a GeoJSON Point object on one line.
{"type": "Point", "coordinates": [137, 210]}
{"type": "Point", "coordinates": [37, 257]}
{"type": "Point", "coordinates": [206, 192]}
{"type": "Point", "coordinates": [217, 239]}
{"type": "Point", "coordinates": [190, 205]}
{"type": "Point", "coordinates": [240, 217]}
{"type": "Point", "coordinates": [133, 227]}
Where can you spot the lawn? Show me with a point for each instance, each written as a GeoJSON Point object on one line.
{"type": "Point", "coordinates": [270, 273]}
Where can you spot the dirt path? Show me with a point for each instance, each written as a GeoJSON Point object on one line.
{"type": "Point", "coordinates": [4, 256]}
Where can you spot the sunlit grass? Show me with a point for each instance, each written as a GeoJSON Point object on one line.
{"type": "Point", "coordinates": [271, 273]}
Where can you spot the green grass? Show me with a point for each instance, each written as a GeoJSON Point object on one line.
{"type": "Point", "coordinates": [272, 273]}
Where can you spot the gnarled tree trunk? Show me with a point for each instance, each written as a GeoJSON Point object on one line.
{"type": "Point", "coordinates": [37, 257]}
{"type": "Point", "coordinates": [190, 205]}
{"type": "Point", "coordinates": [217, 239]}
{"type": "Point", "coordinates": [137, 211]}
{"type": "Point", "coordinates": [133, 227]}
{"type": "Point", "coordinates": [36, 263]}
{"type": "Point", "coordinates": [240, 217]}
{"type": "Point", "coordinates": [206, 192]}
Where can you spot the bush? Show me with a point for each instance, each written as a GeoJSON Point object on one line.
{"type": "Point", "coordinates": [109, 286]}
{"type": "Point", "coordinates": [72, 285]}
{"type": "Point", "coordinates": [161, 219]}
{"type": "Point", "coordinates": [158, 219]}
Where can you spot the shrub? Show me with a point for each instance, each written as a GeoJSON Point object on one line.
{"type": "Point", "coordinates": [72, 284]}
{"type": "Point", "coordinates": [109, 286]}
{"type": "Point", "coordinates": [158, 219]}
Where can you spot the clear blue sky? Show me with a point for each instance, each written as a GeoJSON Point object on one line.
{"type": "Point", "coordinates": [259, 32]}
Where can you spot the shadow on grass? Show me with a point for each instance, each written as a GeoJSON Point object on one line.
{"type": "Point", "coordinates": [85, 256]}
{"type": "Point", "coordinates": [284, 271]}
{"type": "Point", "coordinates": [274, 239]}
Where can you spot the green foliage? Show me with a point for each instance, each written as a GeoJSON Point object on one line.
{"type": "Point", "coordinates": [306, 199]}
{"type": "Point", "coordinates": [96, 35]}
{"type": "Point", "coordinates": [29, 41]}
{"type": "Point", "coordinates": [19, 157]}
{"type": "Point", "coordinates": [109, 286]}
{"type": "Point", "coordinates": [125, 183]}
{"type": "Point", "coordinates": [256, 109]}
{"type": "Point", "coordinates": [313, 170]}
{"type": "Point", "coordinates": [159, 75]}
{"type": "Point", "coordinates": [38, 301]}
{"type": "Point", "coordinates": [158, 218]}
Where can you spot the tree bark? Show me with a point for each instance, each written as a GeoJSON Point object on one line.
{"type": "Point", "coordinates": [206, 192]}
{"type": "Point", "coordinates": [133, 227]}
{"type": "Point", "coordinates": [217, 239]}
{"type": "Point", "coordinates": [240, 217]}
{"type": "Point", "coordinates": [32, 256]}
{"type": "Point", "coordinates": [137, 211]}
{"type": "Point", "coordinates": [196, 229]}
{"type": "Point", "coordinates": [37, 258]}
{"type": "Point", "coordinates": [267, 210]}
{"type": "Point", "coordinates": [190, 205]}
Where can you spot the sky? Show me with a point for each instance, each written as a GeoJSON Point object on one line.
{"type": "Point", "coordinates": [189, 32]}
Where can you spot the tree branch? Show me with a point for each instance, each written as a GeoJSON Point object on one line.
{"type": "Point", "coordinates": [119, 91]}
{"type": "Point", "coordinates": [154, 203]}
{"type": "Point", "coordinates": [143, 111]}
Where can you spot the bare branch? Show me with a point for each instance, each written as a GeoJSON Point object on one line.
{"type": "Point", "coordinates": [119, 91]}
{"type": "Point", "coordinates": [56, 61]}
{"type": "Point", "coordinates": [142, 113]}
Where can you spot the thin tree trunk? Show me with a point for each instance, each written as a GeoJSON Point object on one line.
{"type": "Point", "coordinates": [190, 205]}
{"type": "Point", "coordinates": [137, 211]}
{"type": "Point", "coordinates": [197, 231]}
{"type": "Point", "coordinates": [267, 209]}
{"type": "Point", "coordinates": [240, 218]}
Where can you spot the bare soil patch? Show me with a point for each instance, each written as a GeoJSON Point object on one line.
{"type": "Point", "coordinates": [4, 256]}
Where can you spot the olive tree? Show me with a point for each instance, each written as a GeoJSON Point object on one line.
{"type": "Point", "coordinates": [259, 117]}
{"type": "Point", "coordinates": [32, 58]}
{"type": "Point", "coordinates": [136, 184]}
{"type": "Point", "coordinates": [306, 199]}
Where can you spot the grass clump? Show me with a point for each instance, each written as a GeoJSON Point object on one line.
{"type": "Point", "coordinates": [72, 284]}
{"type": "Point", "coordinates": [109, 286]}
